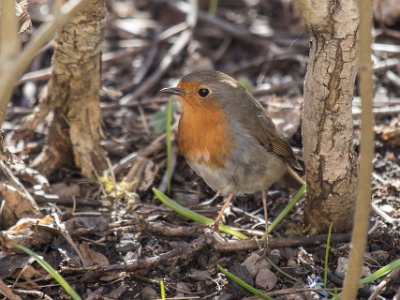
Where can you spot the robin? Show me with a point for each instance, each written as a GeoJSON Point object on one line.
{"type": "Point", "coordinates": [228, 139]}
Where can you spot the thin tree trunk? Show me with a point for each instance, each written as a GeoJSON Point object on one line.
{"type": "Point", "coordinates": [331, 165]}
{"type": "Point", "coordinates": [73, 94]}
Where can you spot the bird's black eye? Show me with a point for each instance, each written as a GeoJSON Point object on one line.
{"type": "Point", "coordinates": [203, 92]}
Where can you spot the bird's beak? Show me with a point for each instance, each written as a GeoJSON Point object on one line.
{"type": "Point", "coordinates": [173, 91]}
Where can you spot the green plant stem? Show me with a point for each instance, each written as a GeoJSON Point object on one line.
{"type": "Point", "coordinates": [53, 273]}
{"type": "Point", "coordinates": [213, 7]}
{"type": "Point", "coordinates": [282, 272]}
{"type": "Point", "coordinates": [168, 137]}
{"type": "Point", "coordinates": [162, 290]}
{"type": "Point", "coordinates": [195, 216]}
{"type": "Point", "coordinates": [299, 194]}
{"type": "Point", "coordinates": [328, 243]}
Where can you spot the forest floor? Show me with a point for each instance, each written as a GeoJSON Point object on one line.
{"type": "Point", "coordinates": [114, 239]}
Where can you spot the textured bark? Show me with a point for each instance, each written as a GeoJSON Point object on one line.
{"type": "Point", "coordinates": [331, 165]}
{"type": "Point", "coordinates": [73, 94]}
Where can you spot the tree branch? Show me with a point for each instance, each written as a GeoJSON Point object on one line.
{"type": "Point", "coordinates": [17, 66]}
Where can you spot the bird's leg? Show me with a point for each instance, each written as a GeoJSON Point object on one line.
{"type": "Point", "coordinates": [264, 201]}
{"type": "Point", "coordinates": [221, 212]}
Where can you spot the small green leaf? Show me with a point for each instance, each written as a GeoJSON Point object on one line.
{"type": "Point", "coordinates": [194, 216]}
{"type": "Point", "coordinates": [158, 120]}
{"type": "Point", "coordinates": [168, 138]}
{"type": "Point", "coordinates": [244, 82]}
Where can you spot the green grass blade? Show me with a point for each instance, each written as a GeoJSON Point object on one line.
{"type": "Point", "coordinates": [244, 284]}
{"type": "Point", "coordinates": [283, 272]}
{"type": "Point", "coordinates": [381, 272]}
{"type": "Point", "coordinates": [183, 211]}
{"type": "Point", "coordinates": [53, 273]}
{"type": "Point", "coordinates": [162, 290]}
{"type": "Point", "coordinates": [328, 243]}
{"type": "Point", "coordinates": [168, 138]}
{"type": "Point", "coordinates": [296, 198]}
{"type": "Point", "coordinates": [213, 7]}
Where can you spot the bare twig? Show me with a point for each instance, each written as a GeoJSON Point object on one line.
{"type": "Point", "coordinates": [23, 201]}
{"type": "Point", "coordinates": [385, 48]}
{"type": "Point", "coordinates": [385, 64]}
{"type": "Point", "coordinates": [9, 40]}
{"type": "Point", "coordinates": [382, 214]}
{"type": "Point", "coordinates": [38, 294]}
{"type": "Point", "coordinates": [393, 78]}
{"type": "Point", "coordinates": [5, 290]}
{"type": "Point", "coordinates": [31, 175]}
{"type": "Point", "coordinates": [43, 74]}
{"type": "Point", "coordinates": [69, 201]}
{"type": "Point", "coordinates": [363, 202]}
{"type": "Point", "coordinates": [299, 290]}
{"type": "Point", "coordinates": [17, 66]}
{"type": "Point", "coordinates": [64, 232]}
{"type": "Point", "coordinates": [278, 243]}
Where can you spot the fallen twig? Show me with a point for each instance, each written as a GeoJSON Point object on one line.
{"type": "Point", "coordinates": [7, 292]}
{"type": "Point", "coordinates": [278, 242]}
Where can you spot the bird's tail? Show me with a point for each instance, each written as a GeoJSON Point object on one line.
{"type": "Point", "coordinates": [293, 179]}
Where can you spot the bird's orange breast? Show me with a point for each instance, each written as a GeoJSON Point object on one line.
{"type": "Point", "coordinates": [204, 135]}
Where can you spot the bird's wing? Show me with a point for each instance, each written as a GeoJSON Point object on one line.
{"type": "Point", "coordinates": [264, 130]}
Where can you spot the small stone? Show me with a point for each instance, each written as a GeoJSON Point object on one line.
{"type": "Point", "coordinates": [254, 263]}
{"type": "Point", "coordinates": [117, 292]}
{"type": "Point", "coordinates": [182, 289]}
{"type": "Point", "coordinates": [266, 279]}
{"type": "Point", "coordinates": [241, 272]}
{"type": "Point", "coordinates": [200, 275]}
{"type": "Point", "coordinates": [149, 294]}
{"type": "Point", "coordinates": [64, 190]}
{"type": "Point", "coordinates": [342, 266]}
{"type": "Point", "coordinates": [294, 297]}
{"type": "Point", "coordinates": [291, 263]}
{"type": "Point", "coordinates": [365, 271]}
{"type": "Point", "coordinates": [275, 256]}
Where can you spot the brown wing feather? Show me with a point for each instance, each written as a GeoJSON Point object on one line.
{"type": "Point", "coordinates": [264, 130]}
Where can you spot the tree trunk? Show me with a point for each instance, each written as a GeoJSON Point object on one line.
{"type": "Point", "coordinates": [331, 165]}
{"type": "Point", "coordinates": [73, 94]}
